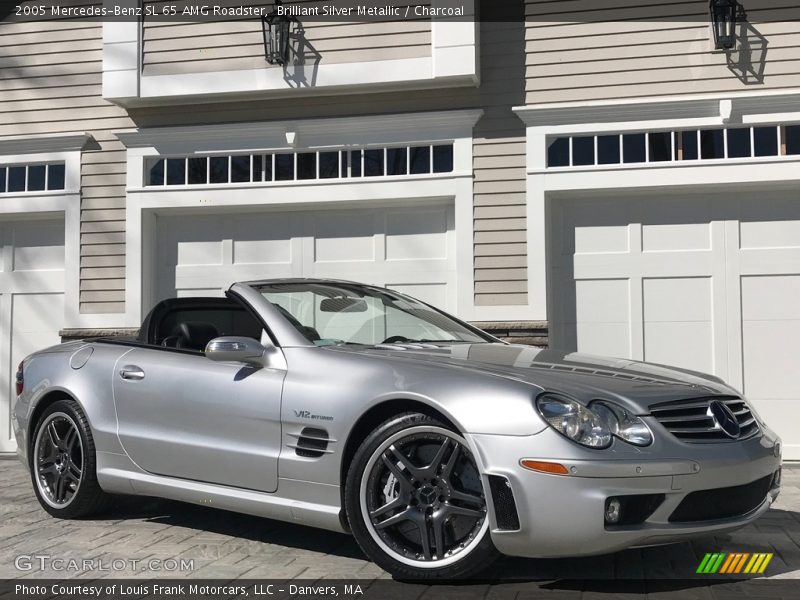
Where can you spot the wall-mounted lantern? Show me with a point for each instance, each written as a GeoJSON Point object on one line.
{"type": "Point", "coordinates": [278, 27]}
{"type": "Point", "coordinates": [724, 17]}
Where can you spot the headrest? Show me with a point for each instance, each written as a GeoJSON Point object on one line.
{"type": "Point", "coordinates": [196, 334]}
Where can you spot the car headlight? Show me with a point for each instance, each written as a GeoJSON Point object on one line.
{"type": "Point", "coordinates": [623, 424]}
{"type": "Point", "coordinates": [595, 426]}
{"type": "Point", "coordinates": [574, 421]}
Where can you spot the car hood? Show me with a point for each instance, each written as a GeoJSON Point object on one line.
{"type": "Point", "coordinates": [633, 384]}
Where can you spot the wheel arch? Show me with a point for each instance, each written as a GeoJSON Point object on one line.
{"type": "Point", "coordinates": [367, 423]}
{"type": "Point", "coordinates": [47, 399]}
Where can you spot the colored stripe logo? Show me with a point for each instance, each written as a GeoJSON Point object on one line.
{"type": "Point", "coordinates": [735, 563]}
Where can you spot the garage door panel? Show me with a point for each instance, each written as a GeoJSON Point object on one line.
{"type": "Point", "coordinates": [416, 235]}
{"type": "Point", "coordinates": [603, 316]}
{"type": "Point", "coordinates": [775, 261]}
{"type": "Point", "coordinates": [676, 236]}
{"type": "Point", "coordinates": [432, 293]}
{"type": "Point", "coordinates": [189, 292]}
{"type": "Point", "coordinates": [36, 322]}
{"type": "Point", "coordinates": [770, 334]}
{"type": "Point", "coordinates": [38, 245]}
{"type": "Point", "coordinates": [262, 241]}
{"type": "Point", "coordinates": [677, 299]}
{"type": "Point", "coordinates": [687, 345]}
{"type": "Point", "coordinates": [770, 234]}
{"type": "Point", "coordinates": [344, 237]}
{"type": "Point", "coordinates": [770, 360]}
{"type": "Point", "coordinates": [195, 242]}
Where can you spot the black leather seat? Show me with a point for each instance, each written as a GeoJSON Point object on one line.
{"type": "Point", "coordinates": [194, 335]}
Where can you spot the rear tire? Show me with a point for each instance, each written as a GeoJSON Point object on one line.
{"type": "Point", "coordinates": [63, 463]}
{"type": "Point", "coordinates": [415, 501]}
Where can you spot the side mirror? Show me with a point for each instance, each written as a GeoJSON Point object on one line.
{"type": "Point", "coordinates": [236, 349]}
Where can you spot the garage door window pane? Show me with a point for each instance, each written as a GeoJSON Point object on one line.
{"type": "Point", "coordinates": [258, 167]}
{"type": "Point", "coordinates": [793, 139]}
{"type": "Point", "coordinates": [55, 177]}
{"type": "Point", "coordinates": [582, 151]}
{"type": "Point", "coordinates": [660, 146]}
{"type": "Point", "coordinates": [307, 165]}
{"type": "Point", "coordinates": [739, 143]}
{"type": "Point", "coordinates": [608, 150]}
{"type": "Point", "coordinates": [328, 165]}
{"type": "Point", "coordinates": [766, 141]}
{"type": "Point", "coordinates": [36, 176]}
{"type": "Point", "coordinates": [16, 179]}
{"type": "Point", "coordinates": [419, 160]}
{"type": "Point", "coordinates": [240, 169]}
{"type": "Point", "coordinates": [558, 153]}
{"type": "Point", "coordinates": [218, 166]}
{"type": "Point", "coordinates": [155, 175]}
{"type": "Point", "coordinates": [712, 144]}
{"type": "Point", "coordinates": [355, 163]}
{"type": "Point", "coordinates": [689, 145]}
{"type": "Point", "coordinates": [2, 179]}
{"type": "Point", "coordinates": [633, 148]}
{"type": "Point", "coordinates": [284, 167]}
{"type": "Point", "coordinates": [443, 159]}
{"type": "Point", "coordinates": [373, 163]}
{"type": "Point", "coordinates": [268, 170]}
{"type": "Point", "coordinates": [198, 170]}
{"type": "Point", "coordinates": [396, 161]}
{"type": "Point", "coordinates": [176, 171]}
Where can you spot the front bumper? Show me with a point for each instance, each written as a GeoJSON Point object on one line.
{"type": "Point", "coordinates": [563, 515]}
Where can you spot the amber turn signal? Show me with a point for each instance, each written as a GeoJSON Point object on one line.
{"type": "Point", "coordinates": [544, 467]}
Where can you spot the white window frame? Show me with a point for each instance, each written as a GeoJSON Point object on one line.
{"type": "Point", "coordinates": [144, 203]}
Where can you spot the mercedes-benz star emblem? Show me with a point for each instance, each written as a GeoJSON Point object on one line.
{"type": "Point", "coordinates": [723, 417]}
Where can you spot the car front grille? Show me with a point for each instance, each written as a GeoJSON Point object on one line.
{"type": "Point", "coordinates": [722, 503]}
{"type": "Point", "coordinates": [691, 420]}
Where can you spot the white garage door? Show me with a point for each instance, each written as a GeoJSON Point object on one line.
{"type": "Point", "coordinates": [31, 300]}
{"type": "Point", "coordinates": [410, 249]}
{"type": "Point", "coordinates": [707, 282]}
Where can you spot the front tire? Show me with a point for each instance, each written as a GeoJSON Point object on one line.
{"type": "Point", "coordinates": [415, 501]}
{"type": "Point", "coordinates": [63, 463]}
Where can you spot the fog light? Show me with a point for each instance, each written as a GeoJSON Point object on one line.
{"type": "Point", "coordinates": [776, 479]}
{"type": "Point", "coordinates": [613, 510]}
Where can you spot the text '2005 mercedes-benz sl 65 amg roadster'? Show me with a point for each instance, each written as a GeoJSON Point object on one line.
{"type": "Point", "coordinates": [358, 409]}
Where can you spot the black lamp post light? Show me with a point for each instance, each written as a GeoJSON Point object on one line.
{"type": "Point", "coordinates": [725, 15]}
{"type": "Point", "coordinates": [278, 28]}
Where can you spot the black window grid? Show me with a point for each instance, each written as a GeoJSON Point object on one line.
{"type": "Point", "coordinates": [32, 177]}
{"type": "Point", "coordinates": [670, 146]}
{"type": "Point", "coordinates": [300, 166]}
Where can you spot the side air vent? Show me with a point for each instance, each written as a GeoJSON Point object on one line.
{"type": "Point", "coordinates": [312, 442]}
{"type": "Point", "coordinates": [505, 508]}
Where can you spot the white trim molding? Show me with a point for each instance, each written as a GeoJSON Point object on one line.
{"type": "Point", "coordinates": [145, 203]}
{"type": "Point", "coordinates": [44, 143]}
{"type": "Point", "coordinates": [453, 61]}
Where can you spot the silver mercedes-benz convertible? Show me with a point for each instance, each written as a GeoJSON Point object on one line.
{"type": "Point", "coordinates": [359, 409]}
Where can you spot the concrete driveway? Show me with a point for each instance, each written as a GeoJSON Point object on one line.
{"type": "Point", "coordinates": [141, 537]}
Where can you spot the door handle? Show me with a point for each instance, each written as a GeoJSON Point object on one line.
{"type": "Point", "coordinates": [132, 373]}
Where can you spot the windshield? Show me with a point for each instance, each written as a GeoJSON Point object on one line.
{"type": "Point", "coordinates": [331, 314]}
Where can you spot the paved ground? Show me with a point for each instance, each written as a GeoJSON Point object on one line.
{"type": "Point", "coordinates": [227, 545]}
